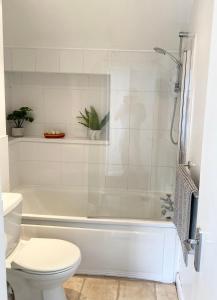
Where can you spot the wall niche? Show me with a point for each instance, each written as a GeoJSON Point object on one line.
{"type": "Point", "coordinates": [57, 99]}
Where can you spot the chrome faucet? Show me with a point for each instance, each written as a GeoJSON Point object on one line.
{"type": "Point", "coordinates": [168, 204]}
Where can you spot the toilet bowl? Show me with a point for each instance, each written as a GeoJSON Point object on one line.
{"type": "Point", "coordinates": [36, 268]}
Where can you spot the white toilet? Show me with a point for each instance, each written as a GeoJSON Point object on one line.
{"type": "Point", "coordinates": [36, 268]}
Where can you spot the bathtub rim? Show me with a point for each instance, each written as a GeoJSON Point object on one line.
{"type": "Point", "coordinates": [34, 218]}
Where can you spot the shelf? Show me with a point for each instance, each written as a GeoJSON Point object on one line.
{"type": "Point", "coordinates": [79, 141]}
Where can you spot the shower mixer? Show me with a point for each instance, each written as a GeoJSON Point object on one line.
{"type": "Point", "coordinates": [178, 84]}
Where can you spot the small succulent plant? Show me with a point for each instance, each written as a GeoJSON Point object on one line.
{"type": "Point", "coordinates": [91, 120]}
{"type": "Point", "coordinates": [20, 116]}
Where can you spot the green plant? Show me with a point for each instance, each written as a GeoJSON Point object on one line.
{"type": "Point", "coordinates": [18, 117]}
{"type": "Point", "coordinates": [91, 120]}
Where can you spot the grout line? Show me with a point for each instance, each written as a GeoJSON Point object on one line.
{"type": "Point", "coordinates": [118, 290]}
{"type": "Point", "coordinates": [11, 47]}
{"type": "Point", "coordinates": [84, 279]}
{"type": "Point", "coordinates": [155, 291]}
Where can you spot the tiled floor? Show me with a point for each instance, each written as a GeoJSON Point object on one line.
{"type": "Point", "coordinates": [103, 288]}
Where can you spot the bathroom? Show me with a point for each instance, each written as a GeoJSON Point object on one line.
{"type": "Point", "coordinates": [101, 107]}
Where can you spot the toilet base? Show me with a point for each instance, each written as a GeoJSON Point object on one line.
{"type": "Point", "coordinates": [26, 288]}
{"type": "Point", "coordinates": [54, 294]}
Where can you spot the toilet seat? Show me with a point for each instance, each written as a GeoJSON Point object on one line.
{"type": "Point", "coordinates": [46, 256]}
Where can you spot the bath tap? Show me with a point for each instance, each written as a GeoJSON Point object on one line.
{"type": "Point", "coordinates": [169, 205]}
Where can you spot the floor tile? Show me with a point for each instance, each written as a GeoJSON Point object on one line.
{"type": "Point", "coordinates": [110, 288]}
{"type": "Point", "coordinates": [166, 292]}
{"type": "Point", "coordinates": [136, 290]}
{"type": "Point", "coordinates": [99, 289]}
{"type": "Point", "coordinates": [73, 287]}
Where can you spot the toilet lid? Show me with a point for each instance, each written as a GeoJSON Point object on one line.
{"type": "Point", "coordinates": [47, 255]}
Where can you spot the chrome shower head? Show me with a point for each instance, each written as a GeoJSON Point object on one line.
{"type": "Point", "coordinates": [165, 52]}
{"type": "Point", "coordinates": [160, 50]}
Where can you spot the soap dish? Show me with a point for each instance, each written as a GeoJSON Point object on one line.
{"type": "Point", "coordinates": [54, 135]}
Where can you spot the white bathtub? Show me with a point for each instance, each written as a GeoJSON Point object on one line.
{"type": "Point", "coordinates": [114, 243]}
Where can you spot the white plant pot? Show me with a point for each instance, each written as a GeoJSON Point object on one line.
{"type": "Point", "coordinates": [17, 132]}
{"type": "Point", "coordinates": [94, 134]}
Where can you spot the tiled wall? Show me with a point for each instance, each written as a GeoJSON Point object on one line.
{"type": "Point", "coordinates": [140, 155]}
{"type": "Point", "coordinates": [4, 172]}
{"type": "Point", "coordinates": [36, 163]}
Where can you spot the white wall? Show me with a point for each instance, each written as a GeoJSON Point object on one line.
{"type": "Point", "coordinates": [202, 285]}
{"type": "Point", "coordinates": [202, 21]}
{"type": "Point", "coordinates": [3, 163]}
{"type": "Point", "coordinates": [114, 24]}
{"type": "Point", "coordinates": [200, 26]}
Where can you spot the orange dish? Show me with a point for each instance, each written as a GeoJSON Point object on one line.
{"type": "Point", "coordinates": [54, 136]}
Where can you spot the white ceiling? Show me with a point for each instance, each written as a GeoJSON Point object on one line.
{"type": "Point", "coordinates": [117, 24]}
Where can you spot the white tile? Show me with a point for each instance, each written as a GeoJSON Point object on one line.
{"type": "Point", "coordinates": [47, 60]}
{"type": "Point", "coordinates": [139, 178]}
{"type": "Point", "coordinates": [96, 175]}
{"type": "Point", "coordinates": [29, 172]}
{"type": "Point", "coordinates": [44, 79]}
{"type": "Point", "coordinates": [119, 109]}
{"type": "Point", "coordinates": [99, 81]}
{"type": "Point", "coordinates": [74, 174]}
{"type": "Point", "coordinates": [162, 179]}
{"type": "Point", "coordinates": [27, 151]}
{"type": "Point", "coordinates": [15, 78]}
{"type": "Point", "coordinates": [98, 154]}
{"type": "Point", "coordinates": [7, 59]}
{"type": "Point", "coordinates": [142, 108]}
{"type": "Point", "coordinates": [140, 147]}
{"type": "Point", "coordinates": [14, 176]}
{"type": "Point", "coordinates": [108, 205]}
{"type": "Point", "coordinates": [133, 59]}
{"type": "Point", "coordinates": [164, 152]}
{"type": "Point", "coordinates": [31, 151]}
{"type": "Point", "coordinates": [14, 152]}
{"type": "Point", "coordinates": [76, 130]}
{"type": "Point", "coordinates": [23, 59]}
{"type": "Point", "coordinates": [120, 79]}
{"type": "Point", "coordinates": [137, 71]}
{"type": "Point", "coordinates": [164, 111]}
{"type": "Point", "coordinates": [74, 81]}
{"type": "Point", "coordinates": [49, 173]}
{"type": "Point", "coordinates": [47, 152]}
{"type": "Point", "coordinates": [31, 96]}
{"type": "Point", "coordinates": [98, 98]}
{"type": "Point", "coordinates": [76, 106]}
{"type": "Point", "coordinates": [121, 59]}
{"type": "Point", "coordinates": [71, 61]}
{"type": "Point", "coordinates": [116, 176]}
{"type": "Point", "coordinates": [145, 80]}
{"type": "Point", "coordinates": [118, 147]}
{"type": "Point", "coordinates": [4, 167]}
{"type": "Point", "coordinates": [96, 61]}
{"type": "Point", "coordinates": [80, 81]}
{"type": "Point", "coordinates": [74, 153]}
{"type": "Point", "coordinates": [58, 105]}
{"type": "Point", "coordinates": [137, 207]}
{"type": "Point", "coordinates": [35, 79]}
{"type": "Point", "coordinates": [34, 129]}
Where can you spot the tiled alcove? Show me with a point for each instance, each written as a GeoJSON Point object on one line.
{"type": "Point", "coordinates": [57, 99]}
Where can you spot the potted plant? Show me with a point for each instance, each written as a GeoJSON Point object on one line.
{"type": "Point", "coordinates": [91, 120]}
{"type": "Point", "coordinates": [19, 117]}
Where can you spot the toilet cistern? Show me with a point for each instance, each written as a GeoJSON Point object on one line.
{"type": "Point", "coordinates": [36, 268]}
